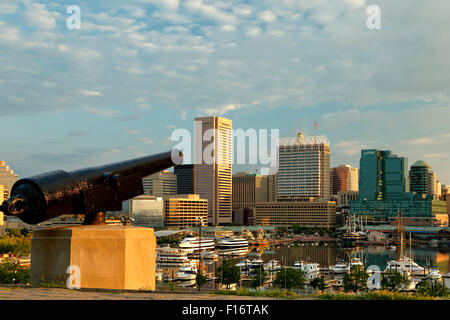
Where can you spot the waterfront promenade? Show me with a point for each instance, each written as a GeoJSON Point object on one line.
{"type": "Point", "coordinates": [39, 293]}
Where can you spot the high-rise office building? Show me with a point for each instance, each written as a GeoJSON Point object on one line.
{"type": "Point", "coordinates": [182, 211]}
{"type": "Point", "coordinates": [160, 184]}
{"type": "Point", "coordinates": [213, 166]}
{"type": "Point", "coordinates": [147, 211]}
{"type": "Point", "coordinates": [382, 175]}
{"type": "Point", "coordinates": [344, 178]}
{"type": "Point", "coordinates": [249, 188]}
{"type": "Point", "coordinates": [384, 191]}
{"type": "Point", "coordinates": [185, 178]}
{"type": "Point", "coordinates": [304, 211]}
{"type": "Point", "coordinates": [304, 167]}
{"type": "Point", "coordinates": [421, 178]}
{"type": "Point", "coordinates": [7, 179]}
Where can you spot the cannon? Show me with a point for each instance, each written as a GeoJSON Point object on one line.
{"type": "Point", "coordinates": [89, 191]}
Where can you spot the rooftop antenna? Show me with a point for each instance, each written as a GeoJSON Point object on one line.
{"type": "Point", "coordinates": [316, 125]}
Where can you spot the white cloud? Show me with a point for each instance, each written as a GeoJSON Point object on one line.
{"type": "Point", "coordinates": [8, 8]}
{"type": "Point", "coordinates": [91, 93]}
{"type": "Point", "coordinates": [101, 112]}
{"type": "Point", "coordinates": [147, 140]}
{"type": "Point", "coordinates": [38, 16]}
{"type": "Point", "coordinates": [267, 16]}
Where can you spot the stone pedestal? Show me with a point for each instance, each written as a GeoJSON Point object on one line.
{"type": "Point", "coordinates": [108, 257]}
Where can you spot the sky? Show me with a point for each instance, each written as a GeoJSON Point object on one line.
{"type": "Point", "coordinates": [136, 70]}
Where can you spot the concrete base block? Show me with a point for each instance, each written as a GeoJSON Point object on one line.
{"type": "Point", "coordinates": [108, 257]}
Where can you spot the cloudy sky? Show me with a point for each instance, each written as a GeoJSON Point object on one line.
{"type": "Point", "coordinates": [138, 69]}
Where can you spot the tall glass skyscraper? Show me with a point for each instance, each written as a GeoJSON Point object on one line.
{"type": "Point", "coordinates": [384, 189]}
{"type": "Point", "coordinates": [421, 178]}
{"type": "Point", "coordinates": [382, 175]}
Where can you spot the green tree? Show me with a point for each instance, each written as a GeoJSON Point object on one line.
{"type": "Point", "coordinates": [259, 277]}
{"type": "Point", "coordinates": [24, 232]}
{"type": "Point", "coordinates": [356, 280]}
{"type": "Point", "coordinates": [14, 233]}
{"type": "Point", "coordinates": [432, 288]}
{"type": "Point", "coordinates": [317, 284]}
{"type": "Point", "coordinates": [18, 245]}
{"type": "Point", "coordinates": [11, 272]}
{"type": "Point", "coordinates": [200, 280]}
{"type": "Point", "coordinates": [394, 280]}
{"type": "Point", "coordinates": [227, 273]}
{"type": "Point", "coordinates": [290, 278]}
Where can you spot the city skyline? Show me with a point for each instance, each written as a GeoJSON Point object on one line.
{"type": "Point", "coordinates": [118, 87]}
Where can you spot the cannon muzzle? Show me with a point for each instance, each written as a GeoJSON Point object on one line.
{"type": "Point", "coordinates": [85, 191]}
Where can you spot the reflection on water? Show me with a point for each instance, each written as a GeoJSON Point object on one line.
{"type": "Point", "coordinates": [326, 256]}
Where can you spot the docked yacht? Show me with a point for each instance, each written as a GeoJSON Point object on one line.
{"type": "Point", "coordinates": [356, 262]}
{"type": "Point", "coordinates": [272, 265]}
{"type": "Point", "coordinates": [194, 244]}
{"type": "Point", "coordinates": [405, 264]}
{"type": "Point", "coordinates": [233, 252]}
{"type": "Point", "coordinates": [167, 257]}
{"type": "Point", "coordinates": [210, 255]}
{"type": "Point", "coordinates": [256, 264]}
{"type": "Point", "coordinates": [244, 264]}
{"type": "Point", "coordinates": [306, 267]}
{"type": "Point", "coordinates": [340, 267]}
{"type": "Point", "coordinates": [186, 273]}
{"type": "Point", "coordinates": [231, 243]}
{"type": "Point", "coordinates": [434, 274]}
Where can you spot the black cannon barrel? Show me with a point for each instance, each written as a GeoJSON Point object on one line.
{"type": "Point", "coordinates": [85, 191]}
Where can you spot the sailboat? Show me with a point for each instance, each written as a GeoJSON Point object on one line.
{"type": "Point", "coordinates": [351, 234]}
{"type": "Point", "coordinates": [403, 263]}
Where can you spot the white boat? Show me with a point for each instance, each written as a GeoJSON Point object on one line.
{"type": "Point", "coordinates": [195, 244]}
{"type": "Point", "coordinates": [170, 257]}
{"type": "Point", "coordinates": [434, 274]}
{"type": "Point", "coordinates": [306, 267]}
{"type": "Point", "coordinates": [405, 264]}
{"type": "Point", "coordinates": [233, 252]}
{"type": "Point", "coordinates": [340, 267]}
{"type": "Point", "coordinates": [244, 264]}
{"type": "Point", "coordinates": [232, 243]}
{"type": "Point", "coordinates": [256, 264]}
{"type": "Point", "coordinates": [187, 272]}
{"type": "Point", "coordinates": [272, 265]}
{"type": "Point", "coordinates": [209, 255]}
{"type": "Point", "coordinates": [356, 262]}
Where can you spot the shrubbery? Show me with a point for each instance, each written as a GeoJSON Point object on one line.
{"type": "Point", "coordinates": [11, 272]}
{"type": "Point", "coordinates": [17, 242]}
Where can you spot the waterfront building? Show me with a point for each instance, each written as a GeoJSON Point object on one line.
{"type": "Point", "coordinates": [147, 211]}
{"type": "Point", "coordinates": [343, 199]}
{"type": "Point", "coordinates": [185, 178]}
{"type": "Point", "coordinates": [181, 211]}
{"type": "Point", "coordinates": [416, 211]}
{"type": "Point", "coordinates": [213, 177]}
{"type": "Point", "coordinates": [421, 178]}
{"type": "Point", "coordinates": [304, 167]}
{"type": "Point", "coordinates": [7, 179]}
{"type": "Point", "coordinates": [273, 186]}
{"type": "Point", "coordinates": [344, 178]}
{"type": "Point", "coordinates": [382, 175]}
{"type": "Point", "coordinates": [249, 188]}
{"type": "Point", "coordinates": [160, 184]}
{"type": "Point", "coordinates": [308, 212]}
{"type": "Point", "coordinates": [384, 191]}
